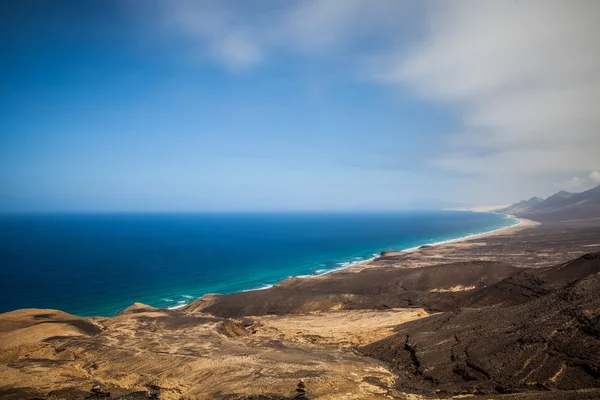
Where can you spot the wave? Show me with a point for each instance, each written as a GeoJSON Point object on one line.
{"type": "Point", "coordinates": [180, 303]}
{"type": "Point", "coordinates": [468, 236]}
{"type": "Point", "coordinates": [263, 287]}
{"type": "Point", "coordinates": [343, 265]}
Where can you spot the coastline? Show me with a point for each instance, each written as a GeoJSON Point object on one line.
{"type": "Point", "coordinates": [521, 223]}
{"type": "Point", "coordinates": [253, 257]}
{"type": "Point", "coordinates": [339, 332]}
{"type": "Point", "coordinates": [526, 244]}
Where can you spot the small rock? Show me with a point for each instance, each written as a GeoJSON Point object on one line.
{"type": "Point", "coordinates": [98, 392]}
{"type": "Point", "coordinates": [301, 391]}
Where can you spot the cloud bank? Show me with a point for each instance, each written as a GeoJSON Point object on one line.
{"type": "Point", "coordinates": [522, 77]}
{"type": "Point", "coordinates": [525, 77]}
{"type": "Point", "coordinates": [243, 35]}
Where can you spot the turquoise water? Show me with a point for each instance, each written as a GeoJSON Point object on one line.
{"type": "Point", "coordinates": [99, 264]}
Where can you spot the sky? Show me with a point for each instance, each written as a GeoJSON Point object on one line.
{"type": "Point", "coordinates": [267, 105]}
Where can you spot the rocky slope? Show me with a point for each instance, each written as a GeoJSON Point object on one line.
{"type": "Point", "coordinates": [373, 288]}
{"type": "Point", "coordinates": [522, 206]}
{"type": "Point", "coordinates": [561, 206]}
{"type": "Point", "coordinates": [147, 353]}
{"type": "Point", "coordinates": [538, 330]}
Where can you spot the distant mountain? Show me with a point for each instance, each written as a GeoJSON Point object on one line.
{"type": "Point", "coordinates": [559, 199]}
{"type": "Point", "coordinates": [522, 206]}
{"type": "Point", "coordinates": [561, 206]}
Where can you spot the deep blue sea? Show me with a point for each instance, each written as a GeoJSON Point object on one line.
{"type": "Point", "coordinates": [99, 264]}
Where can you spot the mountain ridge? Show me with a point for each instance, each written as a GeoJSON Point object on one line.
{"type": "Point", "coordinates": [561, 206]}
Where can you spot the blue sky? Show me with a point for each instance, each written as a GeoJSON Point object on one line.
{"type": "Point", "coordinates": [299, 105]}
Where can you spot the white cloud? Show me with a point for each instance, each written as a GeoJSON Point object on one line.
{"type": "Point", "coordinates": [574, 183]}
{"type": "Point", "coordinates": [243, 34]}
{"type": "Point", "coordinates": [213, 25]}
{"type": "Point", "coordinates": [324, 25]}
{"type": "Point", "coordinates": [578, 184]}
{"type": "Point", "coordinates": [237, 51]}
{"type": "Point", "coordinates": [525, 76]}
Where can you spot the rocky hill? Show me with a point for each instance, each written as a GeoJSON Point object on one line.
{"type": "Point", "coordinates": [522, 206]}
{"type": "Point", "coordinates": [536, 330]}
{"type": "Point", "coordinates": [561, 206]}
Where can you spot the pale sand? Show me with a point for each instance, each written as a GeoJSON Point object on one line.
{"type": "Point", "coordinates": [344, 327]}
{"type": "Point", "coordinates": [523, 224]}
{"type": "Point", "coordinates": [188, 357]}
{"type": "Point", "coordinates": [460, 242]}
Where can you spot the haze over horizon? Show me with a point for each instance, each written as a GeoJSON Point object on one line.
{"type": "Point", "coordinates": [300, 105]}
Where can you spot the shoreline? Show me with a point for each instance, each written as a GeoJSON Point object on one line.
{"type": "Point", "coordinates": [358, 265]}
{"type": "Point", "coordinates": [521, 223]}
{"type": "Point", "coordinates": [350, 265]}
{"type": "Point", "coordinates": [379, 283]}
{"type": "Point", "coordinates": [352, 326]}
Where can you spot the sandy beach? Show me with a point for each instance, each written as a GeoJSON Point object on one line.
{"type": "Point", "coordinates": [448, 244]}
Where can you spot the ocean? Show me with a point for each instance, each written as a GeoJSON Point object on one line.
{"type": "Point", "coordinates": [100, 263]}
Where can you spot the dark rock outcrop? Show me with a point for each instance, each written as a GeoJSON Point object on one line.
{"type": "Point", "coordinates": [231, 329]}
{"type": "Point", "coordinates": [301, 392]}
{"type": "Point", "coordinates": [536, 330]}
{"type": "Point", "coordinates": [370, 289]}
